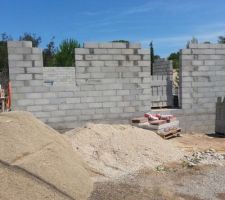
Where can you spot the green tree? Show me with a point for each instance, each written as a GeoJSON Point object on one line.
{"type": "Point", "coordinates": [221, 40]}
{"type": "Point", "coordinates": [49, 53]}
{"type": "Point", "coordinates": [65, 55]}
{"type": "Point", "coordinates": [175, 57]}
{"type": "Point", "coordinates": [36, 40]}
{"type": "Point", "coordinates": [152, 56]}
{"type": "Point", "coordinates": [4, 70]}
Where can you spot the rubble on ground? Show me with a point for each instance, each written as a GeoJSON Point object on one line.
{"type": "Point", "coordinates": [208, 157]}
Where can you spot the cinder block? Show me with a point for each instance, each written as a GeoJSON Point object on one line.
{"type": "Point", "coordinates": [116, 110]}
{"type": "Point", "coordinates": [19, 50]}
{"type": "Point", "coordinates": [78, 57]}
{"type": "Point", "coordinates": [72, 100]}
{"type": "Point", "coordinates": [20, 77]}
{"type": "Point", "coordinates": [26, 43]}
{"type": "Point", "coordinates": [34, 108]}
{"type": "Point", "coordinates": [109, 104]}
{"type": "Point", "coordinates": [25, 102]}
{"type": "Point", "coordinates": [144, 51]}
{"type": "Point", "coordinates": [105, 57]}
{"type": "Point", "coordinates": [14, 44]}
{"type": "Point", "coordinates": [91, 57]}
{"type": "Point", "coordinates": [134, 45]}
{"type": "Point", "coordinates": [119, 45]}
{"type": "Point", "coordinates": [50, 107]}
{"type": "Point", "coordinates": [144, 63]}
{"type": "Point", "coordinates": [127, 51]}
{"type": "Point", "coordinates": [146, 57]}
{"type": "Point", "coordinates": [33, 95]}
{"type": "Point", "coordinates": [35, 82]}
{"type": "Point", "coordinates": [37, 57]}
{"type": "Point", "coordinates": [97, 63]}
{"type": "Point", "coordinates": [81, 51]}
{"type": "Point", "coordinates": [119, 57]}
{"type": "Point", "coordinates": [105, 45]}
{"type": "Point", "coordinates": [115, 51]}
{"type": "Point", "coordinates": [94, 105]}
{"type": "Point", "coordinates": [129, 109]}
{"type": "Point", "coordinates": [123, 92]}
{"type": "Point", "coordinates": [100, 51]}
{"type": "Point", "coordinates": [15, 57]}
{"type": "Point", "coordinates": [90, 45]}
{"type": "Point", "coordinates": [111, 63]}
{"type": "Point", "coordinates": [82, 63]}
{"type": "Point", "coordinates": [41, 101]}
{"type": "Point", "coordinates": [38, 70]}
{"type": "Point", "coordinates": [36, 50]}
{"type": "Point", "coordinates": [134, 57]}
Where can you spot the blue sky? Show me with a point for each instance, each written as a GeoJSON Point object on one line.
{"type": "Point", "coordinates": [169, 23]}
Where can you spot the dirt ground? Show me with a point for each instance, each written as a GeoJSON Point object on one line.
{"type": "Point", "coordinates": [173, 181]}
{"type": "Point", "coordinates": [178, 183]}
{"type": "Point", "coordinates": [197, 142]}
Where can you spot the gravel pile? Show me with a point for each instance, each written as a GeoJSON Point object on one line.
{"type": "Point", "coordinates": [208, 157]}
{"type": "Point", "coordinates": [114, 150]}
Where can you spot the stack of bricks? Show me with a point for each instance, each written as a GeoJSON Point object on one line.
{"type": "Point", "coordinates": [110, 81]}
{"type": "Point", "coordinates": [159, 91]}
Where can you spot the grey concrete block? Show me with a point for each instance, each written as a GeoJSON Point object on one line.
{"type": "Point", "coordinates": [119, 45]}
{"type": "Point", "coordinates": [72, 100]}
{"type": "Point", "coordinates": [15, 57]}
{"type": "Point", "coordinates": [90, 45]}
{"type": "Point", "coordinates": [81, 51]}
{"type": "Point", "coordinates": [144, 51]}
{"type": "Point", "coordinates": [105, 45]}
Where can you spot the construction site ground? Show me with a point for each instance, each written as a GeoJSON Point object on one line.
{"type": "Point", "coordinates": [106, 162]}
{"type": "Point", "coordinates": [174, 181]}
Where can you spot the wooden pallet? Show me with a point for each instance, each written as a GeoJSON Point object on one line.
{"type": "Point", "coordinates": [170, 134]}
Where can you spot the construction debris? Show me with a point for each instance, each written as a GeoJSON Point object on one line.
{"type": "Point", "coordinates": [208, 157]}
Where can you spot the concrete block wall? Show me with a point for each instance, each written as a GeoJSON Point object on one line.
{"type": "Point", "coordinates": [111, 81]}
{"type": "Point", "coordinates": [220, 115]}
{"type": "Point", "coordinates": [59, 76]}
{"type": "Point", "coordinates": [202, 79]}
{"type": "Point", "coordinates": [163, 67]}
{"type": "Point", "coordinates": [161, 91]}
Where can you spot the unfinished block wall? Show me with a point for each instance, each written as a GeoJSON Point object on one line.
{"type": "Point", "coordinates": [163, 67]}
{"type": "Point", "coordinates": [162, 83]}
{"type": "Point", "coordinates": [110, 81]}
{"type": "Point", "coordinates": [202, 81]}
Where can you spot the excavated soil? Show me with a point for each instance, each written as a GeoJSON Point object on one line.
{"type": "Point", "coordinates": [36, 162]}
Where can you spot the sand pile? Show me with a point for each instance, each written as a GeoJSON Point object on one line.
{"type": "Point", "coordinates": [36, 162]}
{"type": "Point", "coordinates": [112, 150]}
